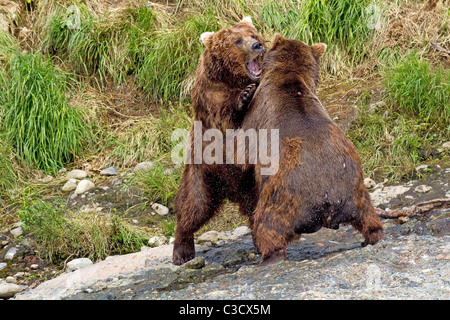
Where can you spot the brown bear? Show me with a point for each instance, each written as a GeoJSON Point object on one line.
{"type": "Point", "coordinates": [319, 181]}
{"type": "Point", "coordinates": [223, 87]}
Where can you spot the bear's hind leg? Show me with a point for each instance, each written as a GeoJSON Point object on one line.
{"type": "Point", "coordinates": [196, 203]}
{"type": "Point", "coordinates": [271, 236]}
{"type": "Point", "coordinates": [369, 225]}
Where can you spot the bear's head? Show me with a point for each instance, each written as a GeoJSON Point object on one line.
{"type": "Point", "coordinates": [234, 55]}
{"type": "Point", "coordinates": [292, 59]}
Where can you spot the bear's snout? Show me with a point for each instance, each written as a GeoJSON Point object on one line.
{"type": "Point", "coordinates": [258, 47]}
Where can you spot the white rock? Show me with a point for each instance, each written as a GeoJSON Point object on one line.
{"type": "Point", "coordinates": [422, 188]}
{"type": "Point", "coordinates": [8, 290]}
{"type": "Point", "coordinates": [10, 279]}
{"type": "Point", "coordinates": [157, 241]}
{"type": "Point", "coordinates": [160, 209]}
{"type": "Point", "coordinates": [34, 266]}
{"type": "Point", "coordinates": [3, 265]}
{"type": "Point", "coordinates": [83, 186]}
{"type": "Point", "coordinates": [211, 236]}
{"type": "Point", "coordinates": [214, 236]}
{"type": "Point", "coordinates": [77, 264]}
{"type": "Point", "coordinates": [422, 167]}
{"type": "Point", "coordinates": [111, 171]}
{"type": "Point", "coordinates": [17, 232]}
{"type": "Point", "coordinates": [444, 147]}
{"type": "Point", "coordinates": [369, 183]}
{"type": "Point", "coordinates": [241, 231]}
{"type": "Point", "coordinates": [70, 185]}
{"type": "Point", "coordinates": [77, 174]}
{"type": "Point", "coordinates": [143, 166]}
{"type": "Point", "coordinates": [11, 253]}
{"type": "Point", "coordinates": [385, 194]}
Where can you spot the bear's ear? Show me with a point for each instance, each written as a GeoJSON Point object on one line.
{"type": "Point", "coordinates": [318, 50]}
{"type": "Point", "coordinates": [205, 38]}
{"type": "Point", "coordinates": [248, 20]}
{"type": "Point", "coordinates": [278, 38]}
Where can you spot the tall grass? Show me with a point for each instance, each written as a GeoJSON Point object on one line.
{"type": "Point", "coordinates": [8, 174]}
{"type": "Point", "coordinates": [105, 46]}
{"type": "Point", "coordinates": [392, 141]}
{"type": "Point", "coordinates": [341, 24]}
{"type": "Point", "coordinates": [60, 233]}
{"type": "Point", "coordinates": [36, 116]}
{"type": "Point", "coordinates": [146, 139]}
{"type": "Point", "coordinates": [171, 55]}
{"type": "Point", "coordinates": [420, 90]}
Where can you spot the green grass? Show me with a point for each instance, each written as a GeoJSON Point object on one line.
{"type": "Point", "coordinates": [420, 90]}
{"type": "Point", "coordinates": [341, 24]}
{"type": "Point", "coordinates": [106, 47]}
{"type": "Point", "coordinates": [36, 116]}
{"type": "Point", "coordinates": [60, 233]}
{"type": "Point", "coordinates": [157, 184]}
{"type": "Point", "coordinates": [146, 139]}
{"type": "Point", "coordinates": [389, 144]}
{"type": "Point", "coordinates": [8, 174]}
{"type": "Point", "coordinates": [392, 141]}
{"type": "Point", "coordinates": [171, 56]}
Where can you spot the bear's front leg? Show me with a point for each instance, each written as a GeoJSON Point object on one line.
{"type": "Point", "coordinates": [246, 96]}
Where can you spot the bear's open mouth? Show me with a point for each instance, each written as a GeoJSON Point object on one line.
{"type": "Point", "coordinates": [253, 69]}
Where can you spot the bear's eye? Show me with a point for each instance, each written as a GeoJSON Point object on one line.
{"type": "Point", "coordinates": [253, 36]}
{"type": "Point", "coordinates": [238, 42]}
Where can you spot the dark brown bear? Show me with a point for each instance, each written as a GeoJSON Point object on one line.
{"type": "Point", "coordinates": [319, 182]}
{"type": "Point", "coordinates": [224, 85]}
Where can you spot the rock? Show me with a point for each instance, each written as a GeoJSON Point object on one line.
{"type": "Point", "coordinates": [78, 264]}
{"type": "Point", "coordinates": [160, 209]}
{"type": "Point", "coordinates": [8, 290]}
{"type": "Point", "coordinates": [111, 171]}
{"type": "Point", "coordinates": [77, 174]}
{"type": "Point", "coordinates": [422, 167]}
{"type": "Point", "coordinates": [157, 241]}
{"type": "Point", "coordinates": [369, 183]}
{"type": "Point", "coordinates": [83, 186]}
{"type": "Point", "coordinates": [143, 166]}
{"type": "Point", "coordinates": [3, 265]}
{"type": "Point", "coordinates": [34, 266]}
{"type": "Point", "coordinates": [422, 188]}
{"type": "Point", "coordinates": [444, 147]}
{"type": "Point", "coordinates": [11, 253]}
{"type": "Point", "coordinates": [214, 236]}
{"type": "Point", "coordinates": [17, 232]}
{"type": "Point", "coordinates": [209, 236]}
{"type": "Point", "coordinates": [10, 279]}
{"type": "Point", "coordinates": [196, 263]}
{"type": "Point", "coordinates": [385, 194]}
{"type": "Point", "coordinates": [240, 231]}
{"type": "Point", "coordinates": [70, 185]}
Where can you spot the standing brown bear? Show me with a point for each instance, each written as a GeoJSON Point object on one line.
{"type": "Point", "coordinates": [319, 182]}
{"type": "Point", "coordinates": [223, 87]}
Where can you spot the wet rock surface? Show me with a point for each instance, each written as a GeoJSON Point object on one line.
{"type": "Point", "coordinates": [412, 262]}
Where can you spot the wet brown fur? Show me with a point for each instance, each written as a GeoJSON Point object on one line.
{"type": "Point", "coordinates": [320, 181]}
